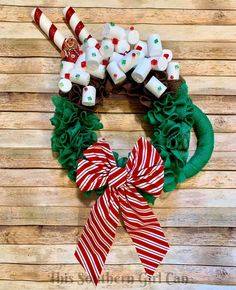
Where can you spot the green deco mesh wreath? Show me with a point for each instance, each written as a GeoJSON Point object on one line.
{"type": "Point", "coordinates": [172, 117]}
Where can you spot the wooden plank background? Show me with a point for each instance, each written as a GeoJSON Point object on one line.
{"type": "Point", "coordinates": [42, 213]}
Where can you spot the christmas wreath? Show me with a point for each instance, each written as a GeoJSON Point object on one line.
{"type": "Point", "coordinates": [122, 64]}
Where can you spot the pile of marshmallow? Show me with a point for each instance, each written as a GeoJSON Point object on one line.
{"type": "Point", "coordinates": [120, 51]}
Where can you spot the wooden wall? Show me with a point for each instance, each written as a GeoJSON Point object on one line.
{"type": "Point", "coordinates": [42, 213]}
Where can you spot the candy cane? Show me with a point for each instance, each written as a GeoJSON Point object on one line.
{"type": "Point", "coordinates": [48, 27]}
{"type": "Point", "coordinates": [76, 24]}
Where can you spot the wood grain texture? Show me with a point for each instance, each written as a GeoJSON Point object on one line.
{"type": "Point", "coordinates": [43, 273]}
{"type": "Point", "coordinates": [73, 216]}
{"type": "Point", "coordinates": [168, 32]}
{"type": "Point", "coordinates": [42, 213]}
{"type": "Point", "coordinates": [135, 15]}
{"type": "Point", "coordinates": [111, 122]}
{"type": "Point", "coordinates": [41, 102]}
{"type": "Point", "coordinates": [18, 47]}
{"type": "Point", "coordinates": [48, 83]}
{"type": "Point", "coordinates": [125, 139]}
{"type": "Point", "coordinates": [64, 254]}
{"type": "Point", "coordinates": [50, 235]}
{"type": "Point", "coordinates": [187, 4]}
{"type": "Point", "coordinates": [40, 65]}
{"type": "Point", "coordinates": [141, 285]}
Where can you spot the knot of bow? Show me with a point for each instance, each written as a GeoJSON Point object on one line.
{"type": "Point", "coordinates": [144, 171]}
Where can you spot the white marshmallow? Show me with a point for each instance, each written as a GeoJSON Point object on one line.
{"type": "Point", "coordinates": [156, 87]}
{"type": "Point", "coordinates": [130, 60]}
{"type": "Point", "coordinates": [132, 36]}
{"type": "Point", "coordinates": [173, 71]}
{"type": "Point", "coordinates": [167, 54]}
{"type": "Point", "coordinates": [100, 72]}
{"type": "Point", "coordinates": [142, 69]}
{"type": "Point", "coordinates": [93, 58]}
{"type": "Point", "coordinates": [111, 30]}
{"type": "Point", "coordinates": [79, 77]}
{"type": "Point", "coordinates": [91, 42]}
{"type": "Point", "coordinates": [122, 46]}
{"type": "Point", "coordinates": [89, 96]}
{"type": "Point", "coordinates": [116, 57]}
{"type": "Point", "coordinates": [81, 59]}
{"type": "Point", "coordinates": [154, 45]}
{"type": "Point", "coordinates": [65, 85]}
{"type": "Point", "coordinates": [107, 48]}
{"type": "Point", "coordinates": [161, 63]}
{"type": "Point", "coordinates": [66, 67]}
{"type": "Point", "coordinates": [142, 46]}
{"type": "Point", "coordinates": [115, 72]}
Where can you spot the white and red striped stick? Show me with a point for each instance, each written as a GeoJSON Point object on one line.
{"type": "Point", "coordinates": [76, 24]}
{"type": "Point", "coordinates": [48, 27]}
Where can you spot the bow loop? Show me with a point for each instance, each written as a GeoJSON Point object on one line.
{"type": "Point", "coordinates": [146, 168]}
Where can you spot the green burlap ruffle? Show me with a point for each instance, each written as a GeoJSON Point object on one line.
{"type": "Point", "coordinates": [172, 120]}
{"type": "Point", "coordinates": [172, 117]}
{"type": "Point", "coordinates": [73, 133]}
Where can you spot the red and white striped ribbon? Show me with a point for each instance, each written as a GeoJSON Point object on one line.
{"type": "Point", "coordinates": [144, 170]}
{"type": "Point", "coordinates": [76, 24]}
{"type": "Point", "coordinates": [48, 27]}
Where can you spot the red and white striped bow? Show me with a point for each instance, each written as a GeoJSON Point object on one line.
{"type": "Point", "coordinates": [144, 170]}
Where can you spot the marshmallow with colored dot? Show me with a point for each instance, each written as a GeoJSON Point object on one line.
{"type": "Point", "coordinates": [107, 48]}
{"type": "Point", "coordinates": [122, 46]}
{"type": "Point", "coordinates": [130, 60]}
{"type": "Point", "coordinates": [66, 66]}
{"type": "Point", "coordinates": [93, 58]}
{"type": "Point", "coordinates": [159, 63]}
{"type": "Point", "coordinates": [111, 30]}
{"type": "Point", "coordinates": [100, 72]}
{"type": "Point", "coordinates": [79, 77]}
{"type": "Point", "coordinates": [90, 42]}
{"type": "Point", "coordinates": [115, 72]}
{"type": "Point", "coordinates": [154, 45]}
{"type": "Point", "coordinates": [132, 36]}
{"type": "Point", "coordinates": [156, 87]}
{"type": "Point", "coordinates": [142, 46]}
{"type": "Point", "coordinates": [173, 70]}
{"type": "Point", "coordinates": [116, 57]}
{"type": "Point", "coordinates": [81, 62]}
{"type": "Point", "coordinates": [65, 85]}
{"type": "Point", "coordinates": [89, 96]}
{"type": "Point", "coordinates": [167, 54]}
{"type": "Point", "coordinates": [141, 71]}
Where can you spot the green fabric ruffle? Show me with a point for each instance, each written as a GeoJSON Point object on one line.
{"type": "Point", "coordinates": [73, 133]}
{"type": "Point", "coordinates": [172, 117]}
{"type": "Point", "coordinates": [172, 120]}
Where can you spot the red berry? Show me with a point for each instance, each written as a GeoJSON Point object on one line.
{"type": "Point", "coordinates": [83, 64]}
{"type": "Point", "coordinates": [139, 47]}
{"type": "Point", "coordinates": [171, 77]}
{"type": "Point", "coordinates": [115, 41]}
{"type": "Point", "coordinates": [67, 76]}
{"type": "Point", "coordinates": [154, 62]}
{"type": "Point", "coordinates": [133, 54]}
{"type": "Point", "coordinates": [131, 28]}
{"type": "Point", "coordinates": [115, 76]}
{"type": "Point", "coordinates": [98, 46]}
{"type": "Point", "coordinates": [85, 88]}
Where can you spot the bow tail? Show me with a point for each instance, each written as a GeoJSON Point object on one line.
{"type": "Point", "coordinates": [144, 230]}
{"type": "Point", "coordinates": [98, 234]}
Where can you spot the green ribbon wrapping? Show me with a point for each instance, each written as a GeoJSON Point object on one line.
{"type": "Point", "coordinates": [172, 117]}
